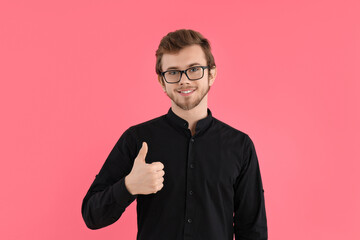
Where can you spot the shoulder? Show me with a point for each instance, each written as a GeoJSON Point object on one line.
{"type": "Point", "coordinates": [232, 137]}
{"type": "Point", "coordinates": [227, 130]}
{"type": "Point", "coordinates": [151, 124]}
{"type": "Point", "coordinates": [133, 135]}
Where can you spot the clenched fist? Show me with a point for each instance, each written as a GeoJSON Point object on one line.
{"type": "Point", "coordinates": [145, 178]}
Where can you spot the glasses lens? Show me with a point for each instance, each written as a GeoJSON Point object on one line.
{"type": "Point", "coordinates": [195, 73]}
{"type": "Point", "coordinates": [172, 76]}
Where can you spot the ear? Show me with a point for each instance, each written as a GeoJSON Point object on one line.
{"type": "Point", "coordinates": [161, 81]}
{"type": "Point", "coordinates": [212, 75]}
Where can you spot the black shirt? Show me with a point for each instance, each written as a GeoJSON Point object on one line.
{"type": "Point", "coordinates": [212, 183]}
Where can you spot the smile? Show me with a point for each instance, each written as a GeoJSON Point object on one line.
{"type": "Point", "coordinates": [186, 93]}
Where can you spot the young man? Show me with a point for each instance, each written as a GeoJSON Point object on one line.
{"type": "Point", "coordinates": [193, 176]}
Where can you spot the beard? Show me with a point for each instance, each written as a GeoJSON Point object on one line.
{"type": "Point", "coordinates": [192, 102]}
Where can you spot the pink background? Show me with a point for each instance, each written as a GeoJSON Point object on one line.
{"type": "Point", "coordinates": [76, 74]}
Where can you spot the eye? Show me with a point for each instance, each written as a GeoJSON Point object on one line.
{"type": "Point", "coordinates": [194, 69]}
{"type": "Point", "coordinates": [173, 72]}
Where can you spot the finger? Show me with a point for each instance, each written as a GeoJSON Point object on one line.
{"type": "Point", "coordinates": [157, 166]}
{"type": "Point", "coordinates": [158, 187]}
{"type": "Point", "coordinates": [143, 151]}
{"type": "Point", "coordinates": [161, 173]}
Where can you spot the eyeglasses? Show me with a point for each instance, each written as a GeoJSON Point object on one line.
{"type": "Point", "coordinates": [192, 73]}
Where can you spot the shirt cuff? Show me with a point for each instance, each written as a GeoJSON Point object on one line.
{"type": "Point", "coordinates": [121, 195]}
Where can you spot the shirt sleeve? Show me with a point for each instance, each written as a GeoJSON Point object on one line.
{"type": "Point", "coordinates": [108, 197]}
{"type": "Point", "coordinates": [249, 202]}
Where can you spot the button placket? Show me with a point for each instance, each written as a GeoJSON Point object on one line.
{"type": "Point", "coordinates": [190, 200]}
{"type": "Point", "coordinates": [191, 165]}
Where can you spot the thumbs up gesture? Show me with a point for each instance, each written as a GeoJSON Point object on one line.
{"type": "Point", "coordinates": [145, 178]}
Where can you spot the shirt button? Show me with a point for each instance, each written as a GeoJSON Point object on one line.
{"type": "Point", "coordinates": [191, 165]}
{"type": "Point", "coordinates": [189, 220]}
{"type": "Point", "coordinates": [192, 140]}
{"type": "Point", "coordinates": [185, 124]}
{"type": "Point", "coordinates": [191, 192]}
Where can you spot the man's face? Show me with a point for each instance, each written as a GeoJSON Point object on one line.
{"type": "Point", "coordinates": [182, 60]}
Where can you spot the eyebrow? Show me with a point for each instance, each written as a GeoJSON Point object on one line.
{"type": "Point", "coordinates": [190, 65]}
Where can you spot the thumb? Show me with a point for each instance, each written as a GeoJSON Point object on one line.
{"type": "Point", "coordinates": [142, 153]}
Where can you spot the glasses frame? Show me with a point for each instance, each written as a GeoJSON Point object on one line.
{"type": "Point", "coordinates": [184, 71]}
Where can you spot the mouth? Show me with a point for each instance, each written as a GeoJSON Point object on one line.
{"type": "Point", "coordinates": [186, 92]}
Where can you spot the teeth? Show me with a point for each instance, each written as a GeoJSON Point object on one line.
{"type": "Point", "coordinates": [186, 91]}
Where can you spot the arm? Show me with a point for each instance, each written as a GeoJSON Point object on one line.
{"type": "Point", "coordinates": [108, 196]}
{"type": "Point", "coordinates": [249, 203]}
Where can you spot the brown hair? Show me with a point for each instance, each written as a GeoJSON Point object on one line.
{"type": "Point", "coordinates": [173, 42]}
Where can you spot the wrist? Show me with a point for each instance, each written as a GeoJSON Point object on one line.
{"type": "Point", "coordinates": [128, 185]}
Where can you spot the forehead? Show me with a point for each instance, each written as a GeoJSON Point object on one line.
{"type": "Point", "coordinates": [186, 56]}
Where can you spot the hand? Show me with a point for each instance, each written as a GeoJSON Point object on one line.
{"type": "Point", "coordinates": [145, 178]}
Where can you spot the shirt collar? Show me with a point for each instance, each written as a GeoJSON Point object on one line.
{"type": "Point", "coordinates": [201, 124]}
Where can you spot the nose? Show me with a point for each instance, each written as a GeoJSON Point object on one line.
{"type": "Point", "coordinates": [184, 79]}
